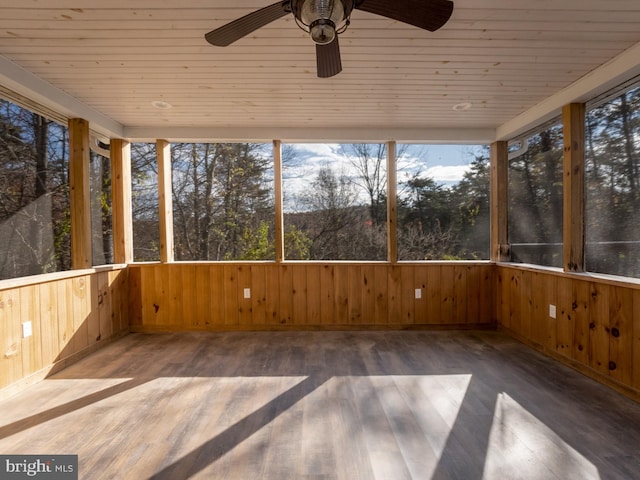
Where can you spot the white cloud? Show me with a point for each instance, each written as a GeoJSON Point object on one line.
{"type": "Point", "coordinates": [447, 173]}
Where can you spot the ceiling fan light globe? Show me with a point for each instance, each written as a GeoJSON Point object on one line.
{"type": "Point", "coordinates": [313, 11]}
{"type": "Point", "coordinates": [322, 32]}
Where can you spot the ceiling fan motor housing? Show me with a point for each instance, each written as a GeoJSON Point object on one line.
{"type": "Point", "coordinates": [322, 19]}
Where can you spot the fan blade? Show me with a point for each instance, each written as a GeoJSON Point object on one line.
{"type": "Point", "coordinates": [231, 32]}
{"type": "Point", "coordinates": [328, 59]}
{"type": "Point", "coordinates": [426, 14]}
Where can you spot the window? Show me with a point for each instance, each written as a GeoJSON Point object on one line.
{"type": "Point", "coordinates": [34, 194]}
{"type": "Point", "coordinates": [535, 198]}
{"type": "Point", "coordinates": [335, 205]}
{"type": "Point", "coordinates": [612, 185]}
{"type": "Point", "coordinates": [223, 204]}
{"type": "Point", "coordinates": [443, 202]}
{"type": "Point", "coordinates": [144, 197]}
{"type": "Point", "coordinates": [101, 213]}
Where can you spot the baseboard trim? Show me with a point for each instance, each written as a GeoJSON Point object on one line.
{"type": "Point", "coordinates": [621, 388]}
{"type": "Point", "coordinates": [302, 328]}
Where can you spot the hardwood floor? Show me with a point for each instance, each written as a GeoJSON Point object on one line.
{"type": "Point", "coordinates": [325, 405]}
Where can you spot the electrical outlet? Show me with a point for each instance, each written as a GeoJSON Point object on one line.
{"type": "Point", "coordinates": [27, 329]}
{"type": "Point", "coordinates": [552, 311]}
{"type": "Point", "coordinates": [418, 293]}
{"type": "Point", "coordinates": [247, 293]}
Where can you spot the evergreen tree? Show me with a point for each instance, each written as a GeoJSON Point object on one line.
{"type": "Point", "coordinates": [221, 196]}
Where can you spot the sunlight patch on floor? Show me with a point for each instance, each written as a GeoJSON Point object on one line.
{"type": "Point", "coordinates": [423, 408]}
{"type": "Point", "coordinates": [522, 446]}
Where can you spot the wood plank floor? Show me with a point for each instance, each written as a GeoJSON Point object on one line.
{"type": "Point", "coordinates": [325, 405]}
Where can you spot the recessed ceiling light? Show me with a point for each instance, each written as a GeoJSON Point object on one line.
{"type": "Point", "coordinates": [462, 107]}
{"type": "Point", "coordinates": [161, 105]}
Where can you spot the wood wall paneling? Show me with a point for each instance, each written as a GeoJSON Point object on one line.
{"type": "Point", "coordinates": [580, 308]}
{"type": "Point", "coordinates": [420, 279]}
{"type": "Point", "coordinates": [354, 295]}
{"type": "Point", "coordinates": [258, 295]}
{"type": "Point", "coordinates": [503, 291]}
{"type": "Point", "coordinates": [543, 295]}
{"type": "Point", "coordinates": [29, 311]}
{"type": "Point", "coordinates": [599, 327]}
{"type": "Point", "coordinates": [104, 306]}
{"type": "Point", "coordinates": [230, 289]}
{"type": "Point", "coordinates": [216, 292]}
{"type": "Point", "coordinates": [245, 310]}
{"type": "Point", "coordinates": [314, 295]}
{"type": "Point", "coordinates": [565, 318]}
{"type": "Point", "coordinates": [341, 296]}
{"type": "Point", "coordinates": [188, 295]}
{"type": "Point", "coordinates": [433, 294]}
{"type": "Point", "coordinates": [596, 329]}
{"type": "Point", "coordinates": [97, 299]}
{"type": "Point", "coordinates": [211, 296]}
{"type": "Point", "coordinates": [49, 334]}
{"type": "Point", "coordinates": [11, 337]}
{"type": "Point", "coordinates": [176, 295]}
{"type": "Point", "coordinates": [119, 290]}
{"type": "Point", "coordinates": [299, 298]}
{"type": "Point", "coordinates": [407, 297]}
{"type": "Point", "coordinates": [472, 296]}
{"type": "Point", "coordinates": [64, 318]}
{"type": "Point", "coordinates": [459, 294]}
{"type": "Point", "coordinates": [202, 297]}
{"type": "Point", "coordinates": [64, 306]}
{"type": "Point", "coordinates": [515, 289]}
{"type": "Point", "coordinates": [327, 294]}
{"type": "Point", "coordinates": [596, 325]}
{"type": "Point", "coordinates": [133, 306]}
{"type": "Point", "coordinates": [285, 279]}
{"type": "Point", "coordinates": [621, 334]}
{"type": "Point", "coordinates": [81, 304]}
{"type": "Point", "coordinates": [273, 293]}
{"type": "Point", "coordinates": [394, 295]}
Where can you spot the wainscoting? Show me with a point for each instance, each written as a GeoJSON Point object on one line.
{"type": "Point", "coordinates": [71, 314]}
{"type": "Point", "coordinates": [178, 297]}
{"type": "Point", "coordinates": [597, 324]}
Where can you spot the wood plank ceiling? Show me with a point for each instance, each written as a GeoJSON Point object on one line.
{"type": "Point", "coordinates": [502, 56]}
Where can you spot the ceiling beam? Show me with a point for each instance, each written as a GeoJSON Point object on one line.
{"type": "Point", "coordinates": [25, 83]}
{"type": "Point", "coordinates": [441, 136]}
{"type": "Point", "coordinates": [611, 74]}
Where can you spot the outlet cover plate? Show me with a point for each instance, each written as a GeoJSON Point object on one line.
{"type": "Point", "coordinates": [27, 329]}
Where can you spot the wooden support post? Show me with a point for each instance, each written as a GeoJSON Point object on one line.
{"type": "Point", "coordinates": [165, 200]}
{"type": "Point", "coordinates": [79, 158]}
{"type": "Point", "coordinates": [392, 204]}
{"type": "Point", "coordinates": [121, 201]}
{"type": "Point", "coordinates": [279, 209]}
{"type": "Point", "coordinates": [500, 251]}
{"type": "Point", "coordinates": [573, 122]}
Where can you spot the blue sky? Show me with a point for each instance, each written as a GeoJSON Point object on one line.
{"type": "Point", "coordinates": [446, 164]}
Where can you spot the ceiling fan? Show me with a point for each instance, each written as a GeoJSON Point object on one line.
{"type": "Point", "coordinates": [324, 20]}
